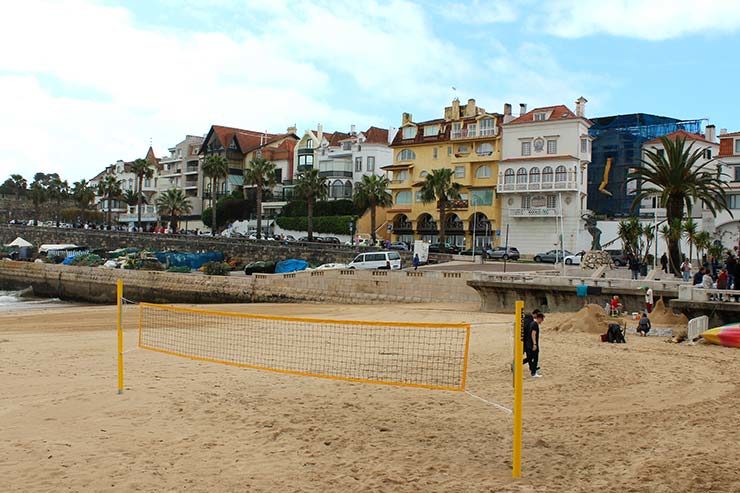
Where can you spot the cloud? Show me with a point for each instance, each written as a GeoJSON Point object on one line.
{"type": "Point", "coordinates": [653, 20]}
{"type": "Point", "coordinates": [478, 12]}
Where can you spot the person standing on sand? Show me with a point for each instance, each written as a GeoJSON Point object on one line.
{"type": "Point", "coordinates": [649, 300]}
{"type": "Point", "coordinates": [532, 344]}
{"type": "Point", "coordinates": [416, 261]}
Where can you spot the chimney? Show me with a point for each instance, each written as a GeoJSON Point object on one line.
{"type": "Point", "coordinates": [581, 107]}
{"type": "Point", "coordinates": [455, 109]}
{"type": "Point", "coordinates": [710, 133]}
{"type": "Point", "coordinates": [507, 113]}
{"type": "Point", "coordinates": [405, 118]}
{"type": "Point", "coordinates": [319, 132]}
{"type": "Point", "coordinates": [722, 131]}
{"type": "Point", "coordinates": [470, 108]}
{"type": "Point", "coordinates": [352, 130]}
{"type": "Point", "coordinates": [522, 109]}
{"type": "Point", "coordinates": [292, 129]}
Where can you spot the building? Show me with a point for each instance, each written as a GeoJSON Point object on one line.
{"type": "Point", "coordinates": [727, 227]}
{"type": "Point", "coordinates": [467, 139]}
{"type": "Point", "coordinates": [617, 147]}
{"type": "Point", "coordinates": [316, 144]}
{"type": "Point", "coordinates": [542, 178]}
{"type": "Point", "coordinates": [182, 170]}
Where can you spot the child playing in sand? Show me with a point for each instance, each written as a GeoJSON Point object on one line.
{"type": "Point", "coordinates": [643, 326]}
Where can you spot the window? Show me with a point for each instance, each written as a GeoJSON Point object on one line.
{"type": "Point", "coordinates": [560, 174]}
{"type": "Point", "coordinates": [278, 175]}
{"type": "Point", "coordinates": [358, 164]}
{"type": "Point", "coordinates": [431, 130]}
{"type": "Point", "coordinates": [733, 201]}
{"type": "Point", "coordinates": [456, 130]}
{"type": "Point", "coordinates": [401, 175]}
{"type": "Point", "coordinates": [409, 132]}
{"type": "Point", "coordinates": [509, 176]}
{"type": "Point", "coordinates": [547, 174]}
{"type": "Point", "coordinates": [449, 150]}
{"type": "Point", "coordinates": [472, 128]}
{"type": "Point", "coordinates": [309, 144]}
{"type": "Point", "coordinates": [525, 202]}
{"type": "Point", "coordinates": [526, 148]}
{"type": "Point", "coordinates": [483, 172]}
{"type": "Point", "coordinates": [147, 182]}
{"type": "Point", "coordinates": [417, 197]}
{"type": "Point", "coordinates": [406, 155]}
{"type": "Point", "coordinates": [521, 175]}
{"type": "Point", "coordinates": [462, 149]}
{"type": "Point", "coordinates": [347, 146]}
{"type": "Point", "coordinates": [707, 153]}
{"type": "Point", "coordinates": [370, 163]}
{"type": "Point", "coordinates": [552, 146]}
{"type": "Point", "coordinates": [484, 149]}
{"type": "Point", "coordinates": [534, 175]}
{"type": "Point", "coordinates": [434, 153]}
{"type": "Point", "coordinates": [551, 202]}
{"type": "Point", "coordinates": [305, 161]}
{"type": "Point", "coordinates": [737, 146]}
{"type": "Point", "coordinates": [584, 145]}
{"type": "Point", "coordinates": [482, 196]}
{"type": "Point", "coordinates": [737, 175]}
{"type": "Point", "coordinates": [459, 171]}
{"type": "Point", "coordinates": [403, 198]}
{"type": "Point", "coordinates": [660, 152]}
{"type": "Point", "coordinates": [540, 117]}
{"type": "Point", "coordinates": [486, 127]}
{"type": "Point", "coordinates": [423, 174]}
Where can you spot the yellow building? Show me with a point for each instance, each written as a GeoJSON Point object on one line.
{"type": "Point", "coordinates": [467, 140]}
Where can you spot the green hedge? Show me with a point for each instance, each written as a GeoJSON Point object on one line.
{"type": "Point", "coordinates": [298, 208]}
{"type": "Point", "coordinates": [228, 209]}
{"type": "Point", "coordinates": [322, 224]}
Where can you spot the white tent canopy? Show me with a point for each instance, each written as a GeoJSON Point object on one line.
{"type": "Point", "coordinates": [19, 242]}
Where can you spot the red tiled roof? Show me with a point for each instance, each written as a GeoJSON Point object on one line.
{"type": "Point", "coordinates": [335, 138]}
{"type": "Point", "coordinates": [375, 135]}
{"type": "Point", "coordinates": [681, 133]}
{"type": "Point", "coordinates": [733, 134]}
{"type": "Point", "coordinates": [557, 113]}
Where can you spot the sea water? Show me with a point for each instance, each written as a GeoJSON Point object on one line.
{"type": "Point", "coordinates": [23, 300]}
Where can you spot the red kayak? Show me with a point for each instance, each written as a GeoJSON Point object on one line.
{"type": "Point", "coordinates": [727, 335]}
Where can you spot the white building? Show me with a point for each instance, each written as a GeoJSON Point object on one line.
{"type": "Point", "coordinates": [727, 227]}
{"type": "Point", "coordinates": [542, 178]}
{"type": "Point", "coordinates": [182, 170]}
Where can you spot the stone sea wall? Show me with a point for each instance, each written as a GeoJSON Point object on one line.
{"type": "Point", "coordinates": [97, 285]}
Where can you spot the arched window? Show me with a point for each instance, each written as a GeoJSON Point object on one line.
{"type": "Point", "coordinates": [509, 176]}
{"type": "Point", "coordinates": [483, 172]}
{"type": "Point", "coordinates": [423, 174]}
{"type": "Point", "coordinates": [560, 173]}
{"type": "Point", "coordinates": [348, 188]}
{"type": "Point", "coordinates": [534, 175]}
{"type": "Point", "coordinates": [484, 149]}
{"type": "Point", "coordinates": [403, 198]}
{"type": "Point", "coordinates": [337, 189]}
{"type": "Point", "coordinates": [547, 174]}
{"type": "Point", "coordinates": [406, 155]}
{"type": "Point", "coordinates": [521, 175]}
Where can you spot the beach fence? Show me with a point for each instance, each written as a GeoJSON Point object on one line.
{"type": "Point", "coordinates": [697, 326]}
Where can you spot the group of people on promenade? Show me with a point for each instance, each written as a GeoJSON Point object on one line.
{"type": "Point", "coordinates": [714, 273]}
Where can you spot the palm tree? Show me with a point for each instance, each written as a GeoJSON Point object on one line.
{"type": "Point", "coordinates": [438, 185]}
{"type": "Point", "coordinates": [83, 195]}
{"type": "Point", "coordinates": [702, 240]}
{"type": "Point", "coordinates": [129, 197]}
{"type": "Point", "coordinates": [678, 182]}
{"type": "Point", "coordinates": [142, 169]}
{"type": "Point", "coordinates": [690, 229]}
{"type": "Point", "coordinates": [110, 189]}
{"type": "Point", "coordinates": [19, 185]}
{"type": "Point", "coordinates": [58, 190]}
{"type": "Point", "coordinates": [173, 203]}
{"type": "Point", "coordinates": [39, 195]}
{"type": "Point", "coordinates": [215, 167]}
{"type": "Point", "coordinates": [260, 173]}
{"type": "Point", "coordinates": [310, 186]}
{"type": "Point", "coordinates": [372, 192]}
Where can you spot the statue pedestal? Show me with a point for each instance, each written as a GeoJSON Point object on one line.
{"type": "Point", "coordinates": [596, 258]}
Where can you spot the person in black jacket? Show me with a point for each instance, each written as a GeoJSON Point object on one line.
{"type": "Point", "coordinates": [634, 264]}
{"type": "Point", "coordinates": [532, 344]}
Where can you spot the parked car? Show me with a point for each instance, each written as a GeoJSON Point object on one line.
{"type": "Point", "coordinates": [329, 239]}
{"type": "Point", "coordinates": [478, 251]}
{"type": "Point", "coordinates": [552, 256]}
{"type": "Point", "coordinates": [331, 266]}
{"type": "Point", "coordinates": [618, 257]}
{"type": "Point", "coordinates": [574, 259]}
{"type": "Point", "coordinates": [399, 245]}
{"type": "Point", "coordinates": [501, 253]}
{"type": "Point", "coordinates": [376, 260]}
{"type": "Point", "coordinates": [443, 248]}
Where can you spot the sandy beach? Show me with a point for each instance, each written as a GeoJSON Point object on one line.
{"type": "Point", "coordinates": [645, 416]}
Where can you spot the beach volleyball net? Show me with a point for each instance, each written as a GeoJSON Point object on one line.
{"type": "Point", "coordinates": [425, 355]}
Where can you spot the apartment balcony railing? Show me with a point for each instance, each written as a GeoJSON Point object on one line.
{"type": "Point", "coordinates": [472, 134]}
{"type": "Point", "coordinates": [456, 205]}
{"type": "Point", "coordinates": [534, 212]}
{"type": "Point", "coordinates": [148, 213]}
{"type": "Point", "coordinates": [336, 172]}
{"type": "Point", "coordinates": [552, 186]}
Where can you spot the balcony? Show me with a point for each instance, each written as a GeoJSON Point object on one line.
{"type": "Point", "coordinates": [148, 213]}
{"type": "Point", "coordinates": [534, 212]}
{"type": "Point", "coordinates": [336, 173]}
{"type": "Point", "coordinates": [552, 186]}
{"type": "Point", "coordinates": [457, 205]}
{"type": "Point", "coordinates": [475, 134]}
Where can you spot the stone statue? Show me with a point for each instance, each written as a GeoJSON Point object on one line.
{"type": "Point", "coordinates": [593, 231]}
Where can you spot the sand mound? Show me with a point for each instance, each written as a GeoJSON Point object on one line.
{"type": "Point", "coordinates": [663, 315]}
{"type": "Point", "coordinates": [591, 318]}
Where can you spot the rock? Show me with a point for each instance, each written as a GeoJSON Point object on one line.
{"type": "Point", "coordinates": [594, 259]}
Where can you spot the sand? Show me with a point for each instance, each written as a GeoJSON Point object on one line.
{"type": "Point", "coordinates": [591, 319]}
{"type": "Point", "coordinates": [663, 315]}
{"type": "Point", "coordinates": [644, 416]}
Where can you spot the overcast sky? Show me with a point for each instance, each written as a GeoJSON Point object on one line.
{"type": "Point", "coordinates": [85, 83]}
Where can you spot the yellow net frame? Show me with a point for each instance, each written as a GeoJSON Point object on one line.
{"type": "Point", "coordinates": [424, 355]}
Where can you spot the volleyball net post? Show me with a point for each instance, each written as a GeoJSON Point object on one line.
{"type": "Point", "coordinates": [119, 328]}
{"type": "Point", "coordinates": [516, 463]}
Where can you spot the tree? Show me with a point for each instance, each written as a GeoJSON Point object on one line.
{"type": "Point", "coordinates": [690, 230]}
{"type": "Point", "coordinates": [215, 167]}
{"type": "Point", "coordinates": [39, 195]}
{"type": "Point", "coordinates": [260, 173]}
{"type": "Point", "coordinates": [371, 193]}
{"type": "Point", "coordinates": [310, 186]}
{"type": "Point", "coordinates": [678, 182]}
{"type": "Point", "coordinates": [130, 197]}
{"type": "Point", "coordinates": [58, 190]}
{"type": "Point", "coordinates": [83, 195]}
{"type": "Point", "coordinates": [173, 203]}
{"type": "Point", "coordinates": [438, 185]}
{"type": "Point", "coordinates": [702, 240]}
{"type": "Point", "coordinates": [142, 169]}
{"type": "Point", "coordinates": [110, 189]}
{"type": "Point", "coordinates": [636, 238]}
{"type": "Point", "coordinates": [19, 184]}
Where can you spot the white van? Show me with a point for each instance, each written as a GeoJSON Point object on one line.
{"type": "Point", "coordinates": [376, 260]}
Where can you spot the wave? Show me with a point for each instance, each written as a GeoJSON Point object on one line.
{"type": "Point", "coordinates": [22, 299]}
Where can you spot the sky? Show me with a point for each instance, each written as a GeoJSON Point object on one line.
{"type": "Point", "coordinates": [85, 83]}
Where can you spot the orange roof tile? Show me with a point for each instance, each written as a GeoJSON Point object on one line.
{"type": "Point", "coordinates": [375, 135]}
{"type": "Point", "coordinates": [557, 113]}
{"type": "Point", "coordinates": [683, 134]}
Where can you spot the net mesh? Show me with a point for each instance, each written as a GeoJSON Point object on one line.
{"type": "Point", "coordinates": [426, 355]}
